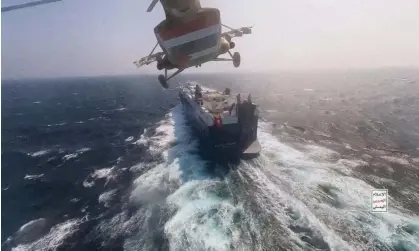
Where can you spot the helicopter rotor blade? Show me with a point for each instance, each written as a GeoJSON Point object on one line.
{"type": "Point", "coordinates": [27, 5]}
{"type": "Point", "coordinates": [151, 7]}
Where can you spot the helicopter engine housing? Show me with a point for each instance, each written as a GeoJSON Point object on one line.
{"type": "Point", "coordinates": [180, 9]}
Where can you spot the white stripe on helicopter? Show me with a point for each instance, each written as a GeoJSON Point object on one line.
{"type": "Point", "coordinates": [205, 52]}
{"type": "Point", "coordinates": [191, 36]}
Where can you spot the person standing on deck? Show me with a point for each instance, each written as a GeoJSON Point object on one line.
{"type": "Point", "coordinates": [198, 94]}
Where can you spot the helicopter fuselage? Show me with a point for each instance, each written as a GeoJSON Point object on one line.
{"type": "Point", "coordinates": [191, 41]}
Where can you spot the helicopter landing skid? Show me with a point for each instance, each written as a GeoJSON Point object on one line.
{"type": "Point", "coordinates": [234, 57]}
{"type": "Point", "coordinates": [163, 78]}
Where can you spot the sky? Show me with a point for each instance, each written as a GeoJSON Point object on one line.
{"type": "Point", "coordinates": [105, 37]}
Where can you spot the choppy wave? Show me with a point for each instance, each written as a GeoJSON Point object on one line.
{"type": "Point", "coordinates": [398, 160]}
{"type": "Point", "coordinates": [39, 153]}
{"type": "Point", "coordinates": [293, 197]}
{"type": "Point", "coordinates": [76, 154]}
{"type": "Point", "coordinates": [201, 218]}
{"type": "Point", "coordinates": [296, 196]}
{"type": "Point", "coordinates": [130, 138]}
{"type": "Point", "coordinates": [104, 173]}
{"type": "Point", "coordinates": [106, 197]}
{"type": "Point", "coordinates": [54, 239]}
{"type": "Point", "coordinates": [33, 176]}
{"type": "Point", "coordinates": [307, 194]}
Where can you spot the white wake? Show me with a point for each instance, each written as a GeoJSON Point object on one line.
{"type": "Point", "coordinates": [305, 190]}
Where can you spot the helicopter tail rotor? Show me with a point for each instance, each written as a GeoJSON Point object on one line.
{"type": "Point", "coordinates": [152, 5]}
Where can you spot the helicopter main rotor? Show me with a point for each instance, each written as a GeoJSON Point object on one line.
{"type": "Point", "coordinates": [27, 5]}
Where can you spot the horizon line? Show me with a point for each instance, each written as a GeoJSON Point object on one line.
{"type": "Point", "coordinates": [223, 72]}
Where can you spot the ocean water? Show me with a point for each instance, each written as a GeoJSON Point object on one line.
{"type": "Point", "coordinates": [109, 163]}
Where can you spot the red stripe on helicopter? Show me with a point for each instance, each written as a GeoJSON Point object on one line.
{"type": "Point", "coordinates": [203, 21]}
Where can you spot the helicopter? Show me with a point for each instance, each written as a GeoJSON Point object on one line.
{"type": "Point", "coordinates": [190, 36]}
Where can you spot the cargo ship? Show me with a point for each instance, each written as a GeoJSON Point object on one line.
{"type": "Point", "coordinates": [226, 124]}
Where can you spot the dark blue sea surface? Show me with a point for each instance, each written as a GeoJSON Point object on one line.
{"type": "Point", "coordinates": [109, 163]}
